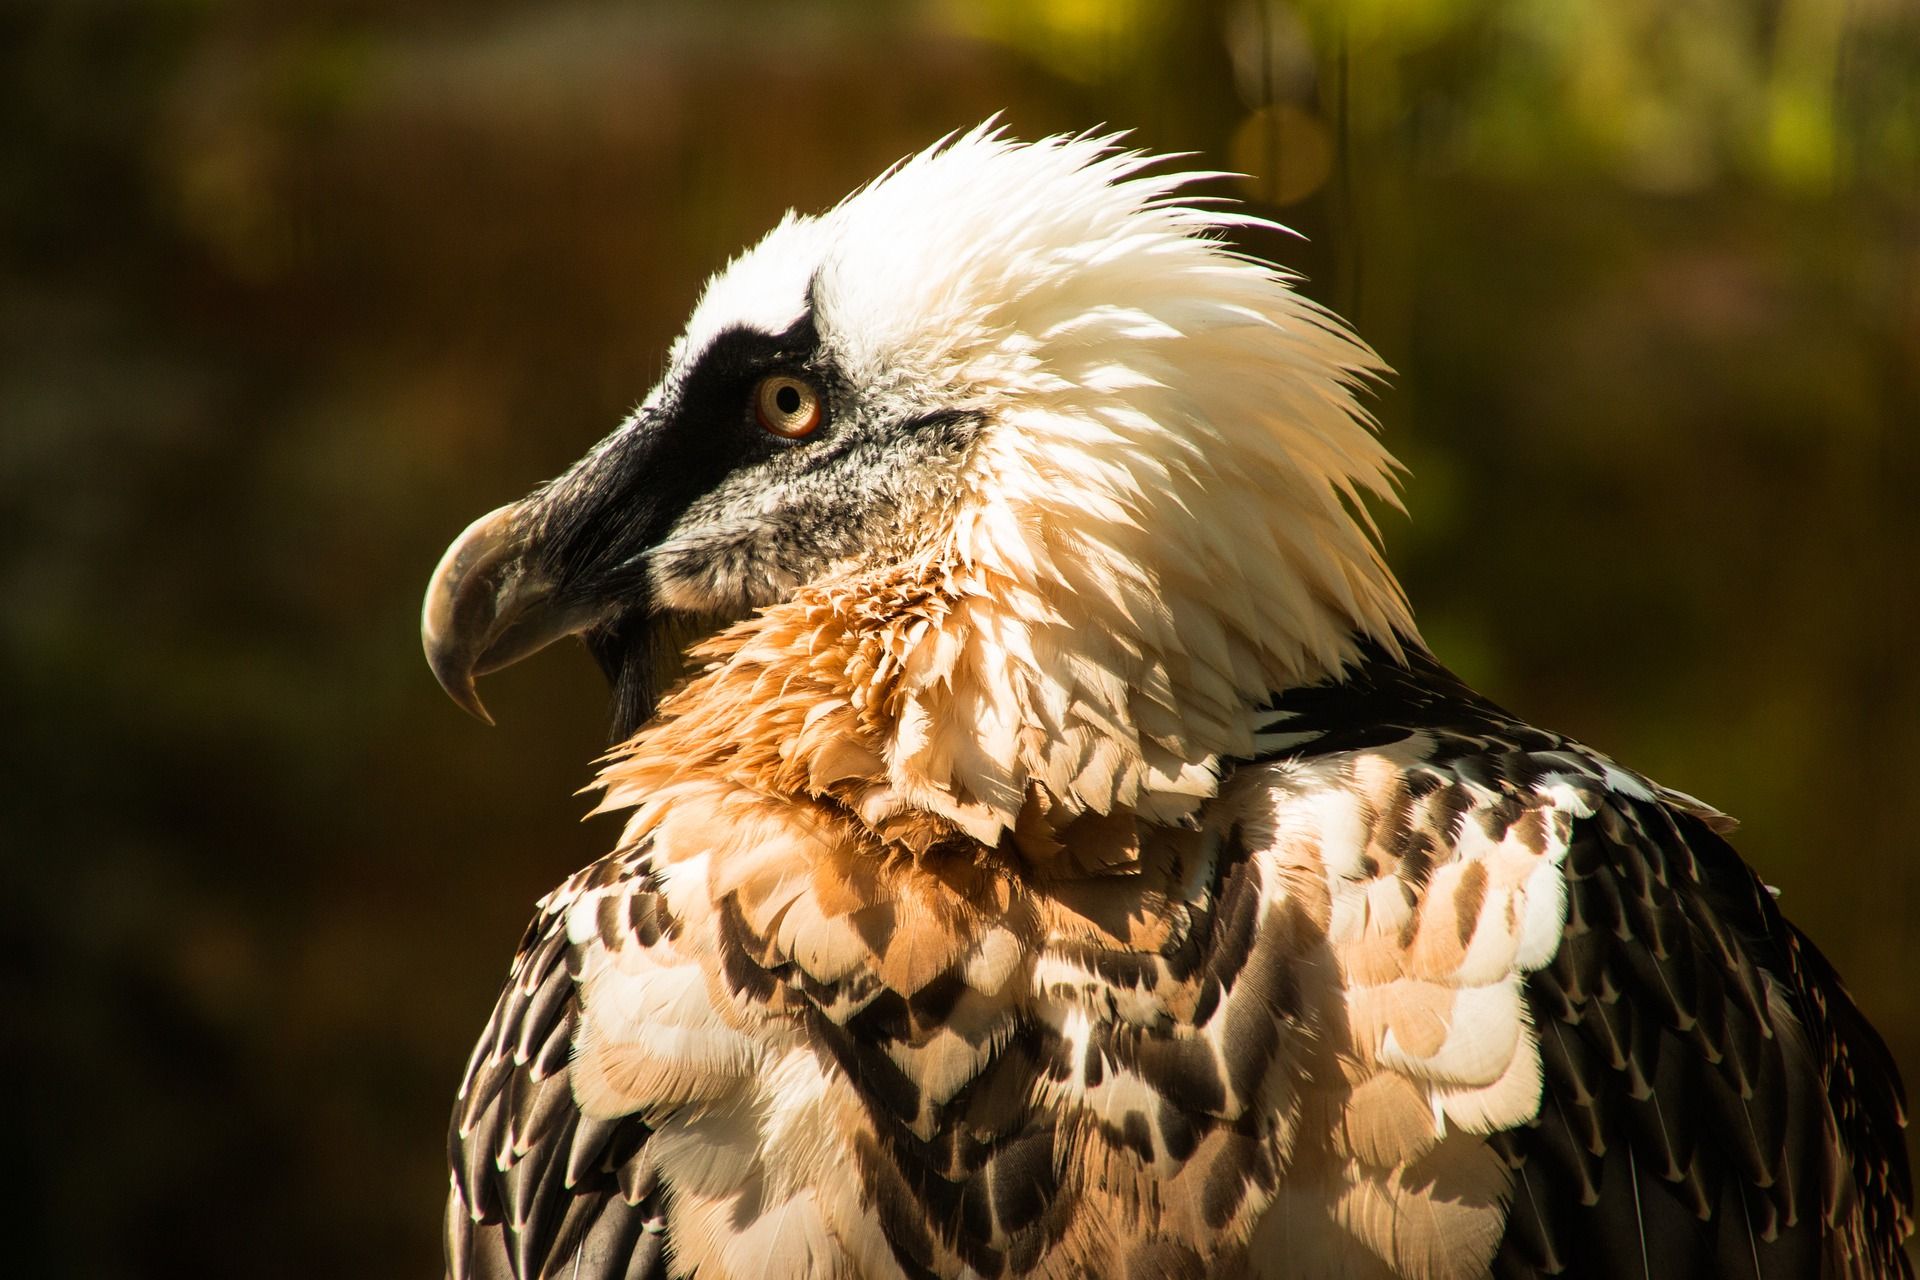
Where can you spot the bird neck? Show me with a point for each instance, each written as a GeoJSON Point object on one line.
{"type": "Point", "coordinates": [943, 701]}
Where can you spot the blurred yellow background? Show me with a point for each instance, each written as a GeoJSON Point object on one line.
{"type": "Point", "coordinates": [291, 291]}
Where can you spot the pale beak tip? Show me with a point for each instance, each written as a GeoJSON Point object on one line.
{"type": "Point", "coordinates": [455, 678]}
{"type": "Point", "coordinates": [468, 700]}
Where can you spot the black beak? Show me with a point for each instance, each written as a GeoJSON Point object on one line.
{"type": "Point", "coordinates": [490, 604]}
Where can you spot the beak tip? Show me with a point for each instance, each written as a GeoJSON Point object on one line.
{"type": "Point", "coordinates": [472, 705]}
{"type": "Point", "coordinates": [453, 672]}
{"type": "Point", "coordinates": [459, 615]}
{"type": "Point", "coordinates": [457, 683]}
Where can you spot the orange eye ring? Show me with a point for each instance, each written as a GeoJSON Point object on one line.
{"type": "Point", "coordinates": [787, 406]}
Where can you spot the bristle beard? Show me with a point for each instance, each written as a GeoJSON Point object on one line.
{"type": "Point", "coordinates": [643, 656]}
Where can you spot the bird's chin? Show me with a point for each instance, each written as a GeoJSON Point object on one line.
{"type": "Point", "coordinates": [644, 655]}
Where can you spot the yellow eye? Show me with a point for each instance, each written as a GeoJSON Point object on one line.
{"type": "Point", "coordinates": [787, 406]}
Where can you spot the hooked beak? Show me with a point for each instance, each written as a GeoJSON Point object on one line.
{"type": "Point", "coordinates": [489, 605]}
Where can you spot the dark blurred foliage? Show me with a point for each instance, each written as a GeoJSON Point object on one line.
{"type": "Point", "coordinates": [292, 291]}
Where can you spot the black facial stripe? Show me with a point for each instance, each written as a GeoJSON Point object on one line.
{"type": "Point", "coordinates": [604, 515]}
{"type": "Point", "coordinates": [716, 395]}
{"type": "Point", "coordinates": [739, 354]}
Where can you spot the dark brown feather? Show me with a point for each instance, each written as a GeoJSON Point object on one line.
{"type": "Point", "coordinates": [538, 1189]}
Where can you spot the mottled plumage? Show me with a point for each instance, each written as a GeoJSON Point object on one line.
{"type": "Point", "coordinates": [1062, 857]}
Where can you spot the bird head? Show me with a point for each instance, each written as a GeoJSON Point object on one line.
{"type": "Point", "coordinates": [1038, 380]}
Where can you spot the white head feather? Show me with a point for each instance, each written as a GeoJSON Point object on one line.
{"type": "Point", "coordinates": [1164, 517]}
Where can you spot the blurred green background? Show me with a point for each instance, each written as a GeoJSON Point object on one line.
{"type": "Point", "coordinates": [291, 291]}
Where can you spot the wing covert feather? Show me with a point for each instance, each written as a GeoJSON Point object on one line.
{"type": "Point", "coordinates": [1712, 1102]}
{"type": "Point", "coordinates": [538, 1188]}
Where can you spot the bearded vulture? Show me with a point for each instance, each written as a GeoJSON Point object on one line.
{"type": "Point", "coordinates": [1050, 850]}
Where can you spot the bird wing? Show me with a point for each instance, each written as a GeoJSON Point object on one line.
{"type": "Point", "coordinates": [1700, 1095]}
{"type": "Point", "coordinates": [1715, 1103]}
{"type": "Point", "coordinates": [540, 1188]}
